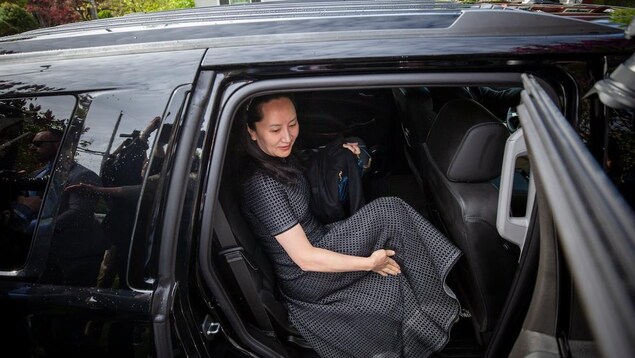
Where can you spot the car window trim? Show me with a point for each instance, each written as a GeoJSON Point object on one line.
{"type": "Point", "coordinates": [586, 206]}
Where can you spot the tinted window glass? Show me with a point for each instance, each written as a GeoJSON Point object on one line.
{"type": "Point", "coordinates": [74, 169]}
{"type": "Point", "coordinates": [116, 142]}
{"type": "Point", "coordinates": [30, 136]}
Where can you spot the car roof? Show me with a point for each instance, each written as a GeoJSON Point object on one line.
{"type": "Point", "coordinates": [292, 22]}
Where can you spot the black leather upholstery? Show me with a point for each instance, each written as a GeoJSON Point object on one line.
{"type": "Point", "coordinates": [417, 115]}
{"type": "Point", "coordinates": [327, 115]}
{"type": "Point", "coordinates": [416, 111]}
{"type": "Point", "coordinates": [467, 142]}
{"type": "Point", "coordinates": [464, 151]}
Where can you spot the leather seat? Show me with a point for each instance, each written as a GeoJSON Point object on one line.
{"type": "Point", "coordinates": [416, 112]}
{"type": "Point", "coordinates": [464, 151]}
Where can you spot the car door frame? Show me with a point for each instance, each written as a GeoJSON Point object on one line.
{"type": "Point", "coordinates": [585, 219]}
{"type": "Point", "coordinates": [232, 97]}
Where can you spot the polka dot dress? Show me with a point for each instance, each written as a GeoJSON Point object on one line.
{"type": "Point", "coordinates": [359, 314]}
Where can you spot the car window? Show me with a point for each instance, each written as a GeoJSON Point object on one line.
{"type": "Point", "coordinates": [148, 201]}
{"type": "Point", "coordinates": [123, 139]}
{"type": "Point", "coordinates": [26, 161]}
{"type": "Point", "coordinates": [77, 167]}
{"type": "Point", "coordinates": [116, 143]}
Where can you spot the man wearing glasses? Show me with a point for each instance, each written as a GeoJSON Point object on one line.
{"type": "Point", "coordinates": [44, 147]}
{"type": "Point", "coordinates": [77, 246]}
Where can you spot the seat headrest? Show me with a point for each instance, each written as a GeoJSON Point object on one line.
{"type": "Point", "coordinates": [467, 142]}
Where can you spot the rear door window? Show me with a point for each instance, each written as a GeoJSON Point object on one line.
{"type": "Point", "coordinates": [74, 169]}
{"type": "Point", "coordinates": [31, 132]}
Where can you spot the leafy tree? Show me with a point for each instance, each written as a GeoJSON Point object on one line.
{"type": "Point", "coordinates": [122, 7]}
{"type": "Point", "coordinates": [623, 16]}
{"type": "Point", "coordinates": [14, 19]}
{"type": "Point", "coordinates": [20, 3]}
{"type": "Point", "coordinates": [54, 12]}
{"type": "Point", "coordinates": [104, 14]}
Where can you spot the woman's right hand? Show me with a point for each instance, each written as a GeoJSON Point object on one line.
{"type": "Point", "coordinates": [383, 263]}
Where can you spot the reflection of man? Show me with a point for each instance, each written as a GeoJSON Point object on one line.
{"type": "Point", "coordinates": [44, 146]}
{"type": "Point", "coordinates": [77, 242]}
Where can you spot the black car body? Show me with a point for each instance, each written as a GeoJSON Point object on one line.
{"type": "Point", "coordinates": [556, 274]}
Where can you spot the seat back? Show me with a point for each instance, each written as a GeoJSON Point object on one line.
{"type": "Point", "coordinates": [416, 112]}
{"type": "Point", "coordinates": [464, 151]}
{"type": "Point", "coordinates": [260, 267]}
{"type": "Point", "coordinates": [327, 115]}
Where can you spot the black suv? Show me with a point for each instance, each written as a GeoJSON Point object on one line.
{"type": "Point", "coordinates": [122, 233]}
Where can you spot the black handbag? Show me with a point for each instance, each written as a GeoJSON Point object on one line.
{"type": "Point", "coordinates": [335, 176]}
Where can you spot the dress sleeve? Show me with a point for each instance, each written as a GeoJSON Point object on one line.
{"type": "Point", "coordinates": [268, 202]}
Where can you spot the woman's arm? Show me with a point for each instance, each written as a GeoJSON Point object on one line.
{"type": "Point", "coordinates": [311, 258]}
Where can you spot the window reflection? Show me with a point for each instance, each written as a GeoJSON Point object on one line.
{"type": "Point", "coordinates": [73, 170]}
{"type": "Point", "coordinates": [118, 138]}
{"type": "Point", "coordinates": [31, 130]}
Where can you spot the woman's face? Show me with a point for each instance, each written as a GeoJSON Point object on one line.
{"type": "Point", "coordinates": [278, 129]}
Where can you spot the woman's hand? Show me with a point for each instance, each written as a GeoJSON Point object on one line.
{"type": "Point", "coordinates": [353, 147]}
{"type": "Point", "coordinates": [383, 264]}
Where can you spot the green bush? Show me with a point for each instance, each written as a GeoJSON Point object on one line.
{"type": "Point", "coordinates": [14, 19]}
{"type": "Point", "coordinates": [623, 16]}
{"type": "Point", "coordinates": [104, 14]}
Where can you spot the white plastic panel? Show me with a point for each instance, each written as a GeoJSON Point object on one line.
{"type": "Point", "coordinates": [513, 229]}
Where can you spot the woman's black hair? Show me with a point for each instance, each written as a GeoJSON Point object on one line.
{"type": "Point", "coordinates": [286, 170]}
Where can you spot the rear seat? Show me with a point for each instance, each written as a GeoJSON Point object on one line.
{"type": "Point", "coordinates": [326, 115]}
{"type": "Point", "coordinates": [260, 269]}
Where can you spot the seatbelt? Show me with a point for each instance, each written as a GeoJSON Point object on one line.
{"type": "Point", "coordinates": [232, 252]}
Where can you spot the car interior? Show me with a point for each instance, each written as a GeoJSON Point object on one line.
{"type": "Point", "coordinates": [440, 149]}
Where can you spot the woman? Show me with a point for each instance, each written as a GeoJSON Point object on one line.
{"type": "Point", "coordinates": [372, 285]}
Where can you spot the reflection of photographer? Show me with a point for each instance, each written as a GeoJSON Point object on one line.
{"type": "Point", "coordinates": [123, 166]}
{"type": "Point", "coordinates": [122, 175]}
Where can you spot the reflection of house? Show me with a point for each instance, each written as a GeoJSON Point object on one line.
{"type": "Point", "coordinates": [580, 9]}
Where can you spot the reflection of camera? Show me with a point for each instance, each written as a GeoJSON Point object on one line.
{"type": "Point", "coordinates": [135, 134]}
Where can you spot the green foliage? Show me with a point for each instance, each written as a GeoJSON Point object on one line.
{"type": "Point", "coordinates": [623, 15]}
{"type": "Point", "coordinates": [122, 7]}
{"type": "Point", "coordinates": [14, 19]}
{"type": "Point", "coordinates": [20, 3]}
{"type": "Point", "coordinates": [104, 14]}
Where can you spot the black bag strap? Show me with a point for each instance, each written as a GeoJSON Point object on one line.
{"type": "Point", "coordinates": [233, 253]}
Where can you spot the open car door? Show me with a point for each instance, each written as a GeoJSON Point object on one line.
{"type": "Point", "coordinates": [587, 231]}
